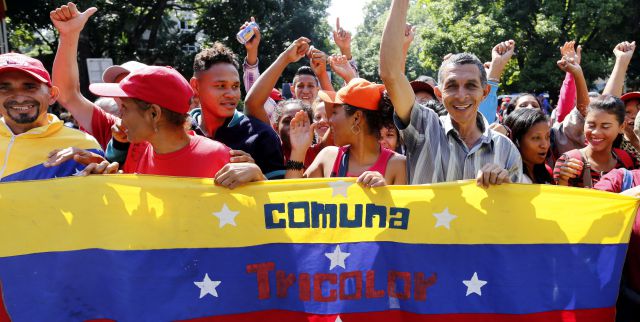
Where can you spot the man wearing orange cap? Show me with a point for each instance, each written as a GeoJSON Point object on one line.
{"type": "Point", "coordinates": [27, 131]}
{"type": "Point", "coordinates": [455, 146]}
{"type": "Point", "coordinates": [355, 123]}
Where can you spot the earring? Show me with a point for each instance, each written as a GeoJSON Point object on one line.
{"type": "Point", "coordinates": [355, 129]}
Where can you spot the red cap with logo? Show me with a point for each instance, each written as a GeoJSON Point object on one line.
{"type": "Point", "coordinates": [31, 66]}
{"type": "Point", "coordinates": [359, 93]}
{"type": "Point", "coordinates": [159, 85]}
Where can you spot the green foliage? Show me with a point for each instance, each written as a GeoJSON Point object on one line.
{"type": "Point", "coordinates": [538, 27]}
{"type": "Point", "coordinates": [366, 43]}
{"type": "Point", "coordinates": [148, 31]}
{"type": "Point", "coordinates": [281, 22]}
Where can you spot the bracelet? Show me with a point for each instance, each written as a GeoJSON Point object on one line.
{"type": "Point", "coordinates": [294, 165]}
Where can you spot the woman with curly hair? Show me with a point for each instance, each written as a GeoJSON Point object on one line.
{"type": "Point", "coordinates": [355, 120]}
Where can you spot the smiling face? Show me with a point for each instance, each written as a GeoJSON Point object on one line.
{"type": "Point", "coordinates": [136, 120]}
{"type": "Point", "coordinates": [218, 89]}
{"type": "Point", "coordinates": [389, 137]}
{"type": "Point", "coordinates": [305, 88]}
{"type": "Point", "coordinates": [601, 129]}
{"type": "Point", "coordinates": [24, 100]}
{"type": "Point", "coordinates": [462, 92]}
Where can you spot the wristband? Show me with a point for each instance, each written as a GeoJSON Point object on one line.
{"type": "Point", "coordinates": [294, 165]}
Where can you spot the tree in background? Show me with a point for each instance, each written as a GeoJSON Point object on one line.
{"type": "Point", "coordinates": [367, 41]}
{"type": "Point", "coordinates": [538, 27]}
{"type": "Point", "coordinates": [281, 22]}
{"type": "Point", "coordinates": [148, 31]}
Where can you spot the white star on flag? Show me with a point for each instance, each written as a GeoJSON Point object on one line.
{"type": "Point", "coordinates": [338, 319]}
{"type": "Point", "coordinates": [474, 285]}
{"type": "Point", "coordinates": [444, 219]}
{"type": "Point", "coordinates": [207, 286]}
{"type": "Point", "coordinates": [226, 216]}
{"type": "Point", "coordinates": [339, 188]}
{"type": "Point", "coordinates": [337, 258]}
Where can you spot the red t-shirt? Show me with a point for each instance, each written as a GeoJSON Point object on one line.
{"type": "Point", "coordinates": [612, 182]}
{"type": "Point", "coordinates": [101, 123]}
{"type": "Point", "coordinates": [201, 158]}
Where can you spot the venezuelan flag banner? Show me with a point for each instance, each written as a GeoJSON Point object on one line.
{"type": "Point", "coordinates": [144, 248]}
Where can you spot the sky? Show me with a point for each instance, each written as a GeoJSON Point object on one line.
{"type": "Point", "coordinates": [349, 11]}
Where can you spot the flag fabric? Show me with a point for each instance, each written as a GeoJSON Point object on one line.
{"type": "Point", "coordinates": [146, 248]}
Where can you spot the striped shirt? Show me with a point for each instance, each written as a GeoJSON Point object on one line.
{"type": "Point", "coordinates": [435, 152]}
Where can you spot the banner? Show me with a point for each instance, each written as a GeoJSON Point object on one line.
{"type": "Point", "coordinates": [145, 248]}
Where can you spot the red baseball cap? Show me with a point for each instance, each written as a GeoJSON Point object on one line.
{"type": "Point", "coordinates": [630, 96]}
{"type": "Point", "coordinates": [421, 86]}
{"type": "Point", "coordinates": [275, 95]}
{"type": "Point", "coordinates": [153, 84]}
{"type": "Point", "coordinates": [359, 93]}
{"type": "Point", "coordinates": [31, 66]}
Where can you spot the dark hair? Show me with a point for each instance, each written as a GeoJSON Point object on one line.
{"type": "Point", "coordinates": [218, 53]}
{"type": "Point", "coordinates": [305, 70]}
{"type": "Point", "coordinates": [511, 106]}
{"type": "Point", "coordinates": [612, 105]}
{"type": "Point", "coordinates": [377, 119]}
{"type": "Point", "coordinates": [520, 122]}
{"type": "Point", "coordinates": [174, 118]}
{"type": "Point", "coordinates": [279, 110]}
{"type": "Point", "coordinates": [436, 106]}
{"type": "Point", "coordinates": [462, 59]}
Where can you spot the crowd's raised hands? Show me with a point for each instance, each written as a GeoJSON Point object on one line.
{"type": "Point", "coordinates": [317, 60]}
{"type": "Point", "coordinates": [64, 18]}
{"type": "Point", "coordinates": [252, 45]}
{"type": "Point", "coordinates": [340, 65]}
{"type": "Point", "coordinates": [342, 38]}
{"type": "Point", "coordinates": [500, 56]}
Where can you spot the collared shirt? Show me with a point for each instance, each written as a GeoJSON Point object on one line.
{"type": "Point", "coordinates": [435, 152]}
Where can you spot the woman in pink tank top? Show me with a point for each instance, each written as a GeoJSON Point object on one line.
{"type": "Point", "coordinates": [357, 112]}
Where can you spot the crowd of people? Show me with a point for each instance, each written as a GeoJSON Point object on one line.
{"type": "Point", "coordinates": [151, 120]}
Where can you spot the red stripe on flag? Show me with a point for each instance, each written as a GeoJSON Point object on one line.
{"type": "Point", "coordinates": [589, 315]}
{"type": "Point", "coordinates": [4, 316]}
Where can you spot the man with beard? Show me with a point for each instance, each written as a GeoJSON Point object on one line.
{"type": "Point", "coordinates": [27, 131]}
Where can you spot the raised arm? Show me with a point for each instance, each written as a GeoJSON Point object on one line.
{"type": "Point", "coordinates": [69, 23]}
{"type": "Point", "coordinates": [500, 55]}
{"type": "Point", "coordinates": [391, 61]}
{"type": "Point", "coordinates": [567, 98]}
{"type": "Point", "coordinates": [250, 66]}
{"type": "Point", "coordinates": [623, 52]}
{"type": "Point", "coordinates": [409, 35]}
{"type": "Point", "coordinates": [342, 38]}
{"type": "Point", "coordinates": [340, 65]}
{"type": "Point", "coordinates": [259, 93]}
{"type": "Point", "coordinates": [570, 65]}
{"type": "Point", "coordinates": [318, 63]}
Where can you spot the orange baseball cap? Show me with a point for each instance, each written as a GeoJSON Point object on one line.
{"type": "Point", "coordinates": [359, 93]}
